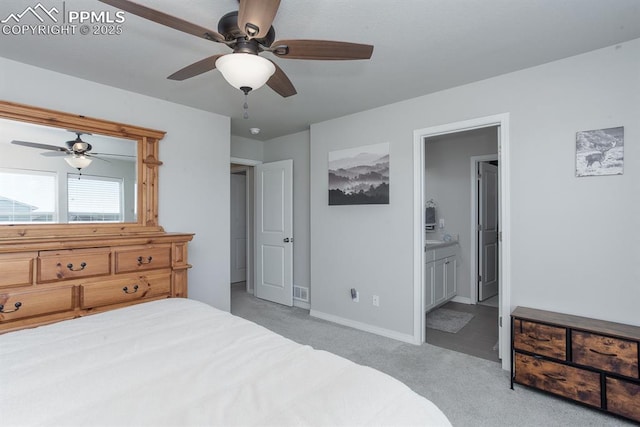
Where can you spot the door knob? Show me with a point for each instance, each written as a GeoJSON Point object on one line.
{"type": "Point", "coordinates": [287, 240]}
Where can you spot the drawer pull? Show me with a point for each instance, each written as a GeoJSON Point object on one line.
{"type": "Point", "coordinates": [603, 354]}
{"type": "Point", "coordinates": [16, 305]}
{"type": "Point", "coordinates": [126, 290]}
{"type": "Point", "coordinates": [533, 337]}
{"type": "Point", "coordinates": [82, 266]}
{"type": "Point", "coordinates": [142, 261]}
{"type": "Point", "coordinates": [555, 377]}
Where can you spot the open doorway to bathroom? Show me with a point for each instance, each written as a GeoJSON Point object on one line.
{"type": "Point", "coordinates": [461, 182]}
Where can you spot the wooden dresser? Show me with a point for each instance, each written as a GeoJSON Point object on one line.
{"type": "Point", "coordinates": [592, 362]}
{"type": "Point", "coordinates": [56, 271]}
{"type": "Point", "coordinates": [44, 280]}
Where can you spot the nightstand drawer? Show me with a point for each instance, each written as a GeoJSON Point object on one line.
{"type": "Point", "coordinates": [69, 264]}
{"type": "Point", "coordinates": [541, 339]}
{"type": "Point", "coordinates": [18, 305]}
{"type": "Point", "coordinates": [623, 398]}
{"type": "Point", "coordinates": [146, 258]}
{"type": "Point", "coordinates": [124, 290]}
{"type": "Point", "coordinates": [607, 353]}
{"type": "Point", "coordinates": [563, 380]}
{"type": "Point", "coordinates": [17, 270]}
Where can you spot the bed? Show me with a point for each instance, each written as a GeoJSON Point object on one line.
{"type": "Point", "coordinates": [179, 362]}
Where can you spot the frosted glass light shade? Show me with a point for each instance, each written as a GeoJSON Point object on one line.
{"type": "Point", "coordinates": [245, 70]}
{"type": "Point", "coordinates": [78, 161]}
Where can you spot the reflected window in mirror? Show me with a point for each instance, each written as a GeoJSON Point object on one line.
{"type": "Point", "coordinates": [109, 168]}
{"type": "Point", "coordinates": [28, 196]}
{"type": "Point", "coordinates": [95, 199]}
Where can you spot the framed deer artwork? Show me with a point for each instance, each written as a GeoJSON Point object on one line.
{"type": "Point", "coordinates": [600, 152]}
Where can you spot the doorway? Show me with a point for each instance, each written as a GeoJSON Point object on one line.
{"type": "Point", "coordinates": [261, 237]}
{"type": "Point", "coordinates": [485, 236]}
{"type": "Point", "coordinates": [238, 243]}
{"type": "Point", "coordinates": [457, 193]}
{"type": "Point", "coordinates": [242, 223]}
{"type": "Point", "coordinates": [501, 124]}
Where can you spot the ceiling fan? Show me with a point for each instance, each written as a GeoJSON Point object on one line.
{"type": "Point", "coordinates": [77, 151]}
{"type": "Point", "coordinates": [248, 32]}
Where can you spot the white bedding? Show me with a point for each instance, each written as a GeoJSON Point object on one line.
{"type": "Point", "coordinates": [179, 362]}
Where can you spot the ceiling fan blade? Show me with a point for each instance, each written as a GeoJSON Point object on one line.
{"type": "Point", "coordinates": [165, 19]}
{"type": "Point", "coordinates": [256, 16]}
{"type": "Point", "coordinates": [280, 83]}
{"type": "Point", "coordinates": [196, 68]}
{"type": "Point", "coordinates": [54, 153]}
{"type": "Point", "coordinates": [112, 154]}
{"type": "Point", "coordinates": [41, 146]}
{"type": "Point", "coordinates": [321, 50]}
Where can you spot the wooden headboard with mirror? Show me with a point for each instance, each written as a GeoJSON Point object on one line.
{"type": "Point", "coordinates": [53, 271]}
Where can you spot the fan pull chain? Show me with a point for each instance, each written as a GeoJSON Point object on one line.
{"type": "Point", "coordinates": [245, 107]}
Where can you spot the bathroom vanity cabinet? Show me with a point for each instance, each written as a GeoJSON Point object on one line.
{"type": "Point", "coordinates": [440, 274]}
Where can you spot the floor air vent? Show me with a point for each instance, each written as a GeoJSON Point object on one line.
{"type": "Point", "coordinates": [301, 293]}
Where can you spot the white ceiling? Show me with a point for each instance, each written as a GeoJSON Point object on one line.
{"type": "Point", "coordinates": [420, 47]}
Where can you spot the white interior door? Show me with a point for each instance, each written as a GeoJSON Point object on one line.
{"type": "Point", "coordinates": [238, 227]}
{"type": "Point", "coordinates": [488, 231]}
{"type": "Point", "coordinates": [274, 231]}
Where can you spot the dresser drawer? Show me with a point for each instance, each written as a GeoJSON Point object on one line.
{"type": "Point", "coordinates": [54, 266]}
{"type": "Point", "coordinates": [124, 290]}
{"type": "Point", "coordinates": [541, 339]}
{"type": "Point", "coordinates": [16, 270]}
{"type": "Point", "coordinates": [623, 398]}
{"type": "Point", "coordinates": [567, 381]}
{"type": "Point", "coordinates": [144, 258]}
{"type": "Point", "coordinates": [609, 354]}
{"type": "Point", "coordinates": [18, 305]}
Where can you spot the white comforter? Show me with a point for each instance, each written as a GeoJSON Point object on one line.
{"type": "Point", "coordinates": [179, 362]}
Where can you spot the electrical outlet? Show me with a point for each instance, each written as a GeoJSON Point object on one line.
{"type": "Point", "coordinates": [376, 301]}
{"type": "Point", "coordinates": [441, 223]}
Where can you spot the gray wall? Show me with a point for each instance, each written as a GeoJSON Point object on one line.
{"type": "Point", "coordinates": [193, 187]}
{"type": "Point", "coordinates": [296, 147]}
{"type": "Point", "coordinates": [448, 182]}
{"type": "Point", "coordinates": [246, 148]}
{"type": "Point", "coordinates": [574, 241]}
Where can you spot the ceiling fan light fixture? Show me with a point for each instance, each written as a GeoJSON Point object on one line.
{"type": "Point", "coordinates": [78, 161]}
{"type": "Point", "coordinates": [245, 70]}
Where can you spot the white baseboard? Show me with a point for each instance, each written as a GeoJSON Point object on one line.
{"type": "Point", "coordinates": [301, 304]}
{"type": "Point", "coordinates": [462, 300]}
{"type": "Point", "coordinates": [364, 327]}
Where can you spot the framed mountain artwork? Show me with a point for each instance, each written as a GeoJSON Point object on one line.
{"type": "Point", "coordinates": [359, 176]}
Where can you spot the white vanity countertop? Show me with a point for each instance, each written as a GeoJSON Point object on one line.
{"type": "Point", "coordinates": [433, 244]}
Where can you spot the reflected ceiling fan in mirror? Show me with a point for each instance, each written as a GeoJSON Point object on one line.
{"type": "Point", "coordinates": [78, 152]}
{"type": "Point", "coordinates": [248, 32]}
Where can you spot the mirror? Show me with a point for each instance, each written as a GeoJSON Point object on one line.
{"type": "Point", "coordinates": [37, 185]}
{"type": "Point", "coordinates": [115, 191]}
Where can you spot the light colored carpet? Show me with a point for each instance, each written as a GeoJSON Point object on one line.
{"type": "Point", "coordinates": [471, 391]}
{"type": "Point", "coordinates": [447, 320]}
